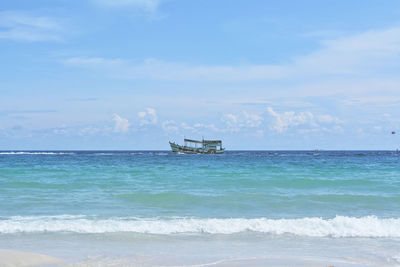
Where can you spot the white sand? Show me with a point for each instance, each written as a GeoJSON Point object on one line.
{"type": "Point", "coordinates": [19, 258]}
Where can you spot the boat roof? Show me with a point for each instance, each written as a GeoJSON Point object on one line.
{"type": "Point", "coordinates": [203, 141]}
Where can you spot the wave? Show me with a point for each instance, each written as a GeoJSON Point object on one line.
{"type": "Point", "coordinates": [340, 226]}
{"type": "Point", "coordinates": [34, 153]}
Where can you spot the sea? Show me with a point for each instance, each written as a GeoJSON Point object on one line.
{"type": "Point", "coordinates": [241, 208]}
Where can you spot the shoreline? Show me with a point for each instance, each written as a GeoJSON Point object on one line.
{"type": "Point", "coordinates": [67, 250]}
{"type": "Point", "coordinates": [10, 258]}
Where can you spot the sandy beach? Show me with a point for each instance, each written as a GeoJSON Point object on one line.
{"type": "Point", "coordinates": [11, 258]}
{"type": "Point", "coordinates": [73, 250]}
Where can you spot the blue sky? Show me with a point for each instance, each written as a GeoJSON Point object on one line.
{"type": "Point", "coordinates": [134, 74]}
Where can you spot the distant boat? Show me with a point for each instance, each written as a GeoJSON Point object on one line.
{"type": "Point", "coordinates": [198, 147]}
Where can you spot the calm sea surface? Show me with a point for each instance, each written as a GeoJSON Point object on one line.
{"type": "Point", "coordinates": [303, 194]}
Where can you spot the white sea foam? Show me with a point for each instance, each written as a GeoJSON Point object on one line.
{"type": "Point", "coordinates": [339, 226]}
{"type": "Point", "coordinates": [33, 153]}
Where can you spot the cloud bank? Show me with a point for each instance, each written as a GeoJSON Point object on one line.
{"type": "Point", "coordinates": [22, 26]}
{"type": "Point", "coordinates": [358, 54]}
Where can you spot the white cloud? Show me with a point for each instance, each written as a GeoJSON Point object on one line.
{"type": "Point", "coordinates": [283, 121]}
{"type": "Point", "coordinates": [245, 120]}
{"type": "Point", "coordinates": [148, 117]}
{"type": "Point", "coordinates": [148, 5]}
{"type": "Point", "coordinates": [173, 127]}
{"type": "Point", "coordinates": [355, 54]}
{"type": "Point", "coordinates": [94, 61]}
{"type": "Point", "coordinates": [21, 26]}
{"type": "Point", "coordinates": [121, 124]}
{"type": "Point", "coordinates": [328, 119]}
{"type": "Point", "coordinates": [375, 100]}
{"type": "Point", "coordinates": [170, 126]}
{"type": "Point", "coordinates": [154, 69]}
{"type": "Point", "coordinates": [60, 131]}
{"type": "Point", "coordinates": [231, 122]}
{"type": "Point", "coordinates": [90, 130]}
{"type": "Point", "coordinates": [252, 120]}
{"type": "Point", "coordinates": [289, 118]}
{"type": "Point", "coordinates": [201, 126]}
{"type": "Point", "coordinates": [85, 129]}
{"type": "Point", "coordinates": [362, 53]}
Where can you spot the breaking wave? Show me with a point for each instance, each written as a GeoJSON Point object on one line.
{"type": "Point", "coordinates": [340, 226]}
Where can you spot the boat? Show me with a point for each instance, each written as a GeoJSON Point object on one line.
{"type": "Point", "coordinates": [198, 147]}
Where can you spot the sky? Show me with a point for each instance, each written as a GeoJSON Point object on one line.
{"type": "Point", "coordinates": [135, 74]}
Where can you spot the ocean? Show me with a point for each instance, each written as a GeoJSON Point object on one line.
{"type": "Point", "coordinates": [241, 208]}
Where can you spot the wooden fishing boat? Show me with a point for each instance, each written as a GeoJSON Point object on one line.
{"type": "Point", "coordinates": [198, 147]}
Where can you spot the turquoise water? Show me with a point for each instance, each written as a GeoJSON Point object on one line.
{"type": "Point", "coordinates": [270, 194]}
{"type": "Point", "coordinates": [159, 184]}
